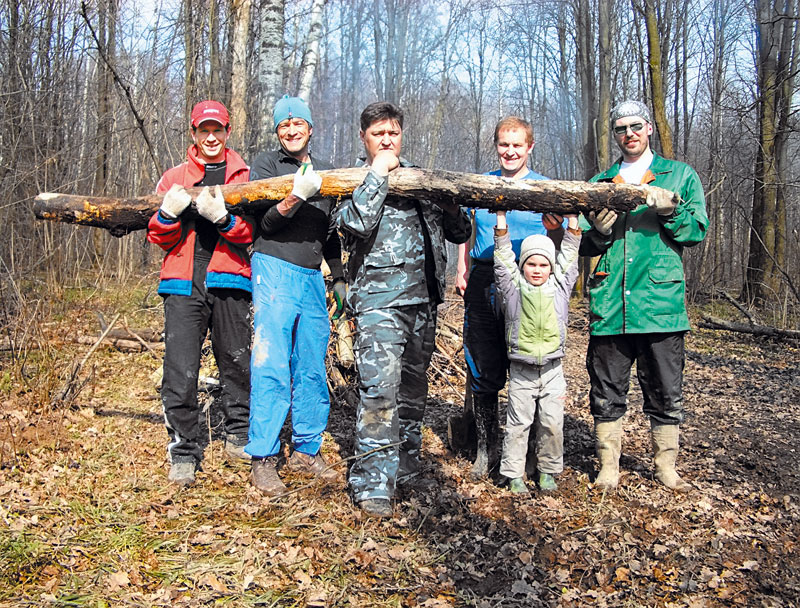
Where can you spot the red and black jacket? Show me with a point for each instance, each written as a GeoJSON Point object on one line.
{"type": "Point", "coordinates": [230, 263]}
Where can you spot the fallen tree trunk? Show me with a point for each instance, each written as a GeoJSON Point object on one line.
{"type": "Point", "coordinates": [749, 328]}
{"type": "Point", "coordinates": [121, 216]}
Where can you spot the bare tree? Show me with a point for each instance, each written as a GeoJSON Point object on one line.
{"type": "Point", "coordinates": [777, 60]}
{"type": "Point", "coordinates": [270, 77]}
{"type": "Point", "coordinates": [311, 54]}
{"type": "Point", "coordinates": [240, 15]}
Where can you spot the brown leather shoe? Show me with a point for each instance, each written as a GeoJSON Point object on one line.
{"type": "Point", "coordinates": [311, 465]}
{"type": "Point", "coordinates": [265, 477]}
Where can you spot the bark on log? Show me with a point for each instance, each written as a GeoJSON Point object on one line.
{"type": "Point", "coordinates": [757, 330]}
{"type": "Point", "coordinates": [121, 216]}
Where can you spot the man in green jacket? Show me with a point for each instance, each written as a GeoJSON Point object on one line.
{"type": "Point", "coordinates": [637, 296]}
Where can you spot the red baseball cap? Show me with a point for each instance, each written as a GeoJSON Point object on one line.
{"type": "Point", "coordinates": [210, 110]}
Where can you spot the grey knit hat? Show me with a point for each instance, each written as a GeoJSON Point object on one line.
{"type": "Point", "coordinates": [630, 107]}
{"type": "Point", "coordinates": [538, 244]}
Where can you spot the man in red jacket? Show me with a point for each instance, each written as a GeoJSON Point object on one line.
{"type": "Point", "coordinates": [205, 283]}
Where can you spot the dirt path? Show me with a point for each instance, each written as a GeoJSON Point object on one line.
{"type": "Point", "coordinates": [86, 518]}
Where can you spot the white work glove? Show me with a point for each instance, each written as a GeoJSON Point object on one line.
{"type": "Point", "coordinates": [306, 182]}
{"type": "Point", "coordinates": [603, 221]}
{"type": "Point", "coordinates": [175, 201]}
{"type": "Point", "coordinates": [663, 201]}
{"type": "Point", "coordinates": [212, 206]}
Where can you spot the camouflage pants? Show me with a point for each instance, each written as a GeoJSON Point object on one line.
{"type": "Point", "coordinates": [393, 350]}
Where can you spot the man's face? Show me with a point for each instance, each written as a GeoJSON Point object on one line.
{"type": "Point", "coordinates": [294, 134]}
{"type": "Point", "coordinates": [632, 135]}
{"type": "Point", "coordinates": [210, 138]}
{"type": "Point", "coordinates": [536, 270]}
{"type": "Point", "coordinates": [513, 150]}
{"type": "Point", "coordinates": [380, 136]}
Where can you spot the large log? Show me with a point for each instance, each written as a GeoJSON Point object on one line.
{"type": "Point", "coordinates": [121, 216]}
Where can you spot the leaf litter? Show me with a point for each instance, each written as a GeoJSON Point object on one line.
{"type": "Point", "coordinates": [89, 520]}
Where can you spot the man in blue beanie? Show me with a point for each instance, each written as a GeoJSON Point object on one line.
{"type": "Point", "coordinates": [291, 327]}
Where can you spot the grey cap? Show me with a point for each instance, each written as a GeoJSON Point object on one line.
{"type": "Point", "coordinates": [538, 244]}
{"type": "Point", "coordinates": [630, 107]}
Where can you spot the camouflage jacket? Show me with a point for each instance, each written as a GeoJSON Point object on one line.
{"type": "Point", "coordinates": [384, 240]}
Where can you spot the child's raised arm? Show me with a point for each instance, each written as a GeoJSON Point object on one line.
{"type": "Point", "coordinates": [501, 219]}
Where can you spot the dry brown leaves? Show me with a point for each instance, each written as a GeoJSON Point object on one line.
{"type": "Point", "coordinates": [88, 518]}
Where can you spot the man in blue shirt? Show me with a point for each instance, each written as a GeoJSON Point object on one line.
{"type": "Point", "coordinates": [484, 332]}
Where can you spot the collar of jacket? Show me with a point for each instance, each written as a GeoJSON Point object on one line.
{"type": "Point", "coordinates": [362, 161]}
{"type": "Point", "coordinates": [658, 166]}
{"type": "Point", "coordinates": [197, 169]}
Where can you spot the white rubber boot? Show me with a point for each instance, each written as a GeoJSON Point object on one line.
{"type": "Point", "coordinates": [608, 439]}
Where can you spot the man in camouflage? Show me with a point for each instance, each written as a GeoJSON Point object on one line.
{"type": "Point", "coordinates": [396, 275]}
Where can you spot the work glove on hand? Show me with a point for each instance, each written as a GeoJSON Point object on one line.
{"type": "Point", "coordinates": [663, 201]}
{"type": "Point", "coordinates": [603, 221]}
{"type": "Point", "coordinates": [212, 206]}
{"type": "Point", "coordinates": [339, 297]}
{"type": "Point", "coordinates": [306, 182]}
{"type": "Point", "coordinates": [175, 201]}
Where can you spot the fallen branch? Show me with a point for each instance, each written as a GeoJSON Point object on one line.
{"type": "Point", "coordinates": [125, 344]}
{"type": "Point", "coordinates": [757, 330]}
{"type": "Point", "coordinates": [71, 387]}
{"type": "Point", "coordinates": [121, 216]}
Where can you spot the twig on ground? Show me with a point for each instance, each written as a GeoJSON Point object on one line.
{"type": "Point", "coordinates": [71, 389]}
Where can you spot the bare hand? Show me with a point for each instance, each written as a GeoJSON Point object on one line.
{"type": "Point", "coordinates": [501, 220]}
{"type": "Point", "coordinates": [551, 221]}
{"type": "Point", "coordinates": [385, 161]}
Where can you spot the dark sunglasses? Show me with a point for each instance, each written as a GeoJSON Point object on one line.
{"type": "Point", "coordinates": [635, 128]}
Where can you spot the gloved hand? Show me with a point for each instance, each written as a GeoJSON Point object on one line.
{"type": "Point", "coordinates": [603, 221]}
{"type": "Point", "coordinates": [340, 297]}
{"type": "Point", "coordinates": [212, 206]}
{"type": "Point", "coordinates": [306, 182]}
{"type": "Point", "coordinates": [175, 201]}
{"type": "Point", "coordinates": [663, 201]}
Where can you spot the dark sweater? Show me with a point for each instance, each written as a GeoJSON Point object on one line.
{"type": "Point", "coordinates": [306, 236]}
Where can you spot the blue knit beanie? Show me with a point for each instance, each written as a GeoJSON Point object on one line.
{"type": "Point", "coordinates": [291, 107]}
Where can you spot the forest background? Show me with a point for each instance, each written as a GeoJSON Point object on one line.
{"type": "Point", "coordinates": [96, 98]}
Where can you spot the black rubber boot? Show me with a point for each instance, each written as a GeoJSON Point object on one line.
{"type": "Point", "coordinates": [487, 431]}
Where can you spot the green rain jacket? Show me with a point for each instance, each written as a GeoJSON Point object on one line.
{"type": "Point", "coordinates": [638, 285]}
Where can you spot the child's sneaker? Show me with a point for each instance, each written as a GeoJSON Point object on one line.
{"type": "Point", "coordinates": [547, 483]}
{"type": "Point", "coordinates": [517, 486]}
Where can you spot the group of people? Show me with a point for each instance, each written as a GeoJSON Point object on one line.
{"type": "Point", "coordinates": [516, 278]}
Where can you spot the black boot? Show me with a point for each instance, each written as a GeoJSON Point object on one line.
{"type": "Point", "coordinates": [487, 431]}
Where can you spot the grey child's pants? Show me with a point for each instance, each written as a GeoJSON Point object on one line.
{"type": "Point", "coordinates": [536, 397]}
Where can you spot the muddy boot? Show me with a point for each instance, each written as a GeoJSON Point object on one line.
{"type": "Point", "coordinates": [182, 473]}
{"type": "Point", "coordinates": [461, 428]}
{"type": "Point", "coordinates": [315, 466]}
{"type": "Point", "coordinates": [487, 432]}
{"type": "Point", "coordinates": [379, 508]}
{"type": "Point", "coordinates": [665, 453]}
{"type": "Point", "coordinates": [265, 476]}
{"type": "Point", "coordinates": [608, 438]}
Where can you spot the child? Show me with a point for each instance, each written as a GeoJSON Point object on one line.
{"type": "Point", "coordinates": [535, 301]}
